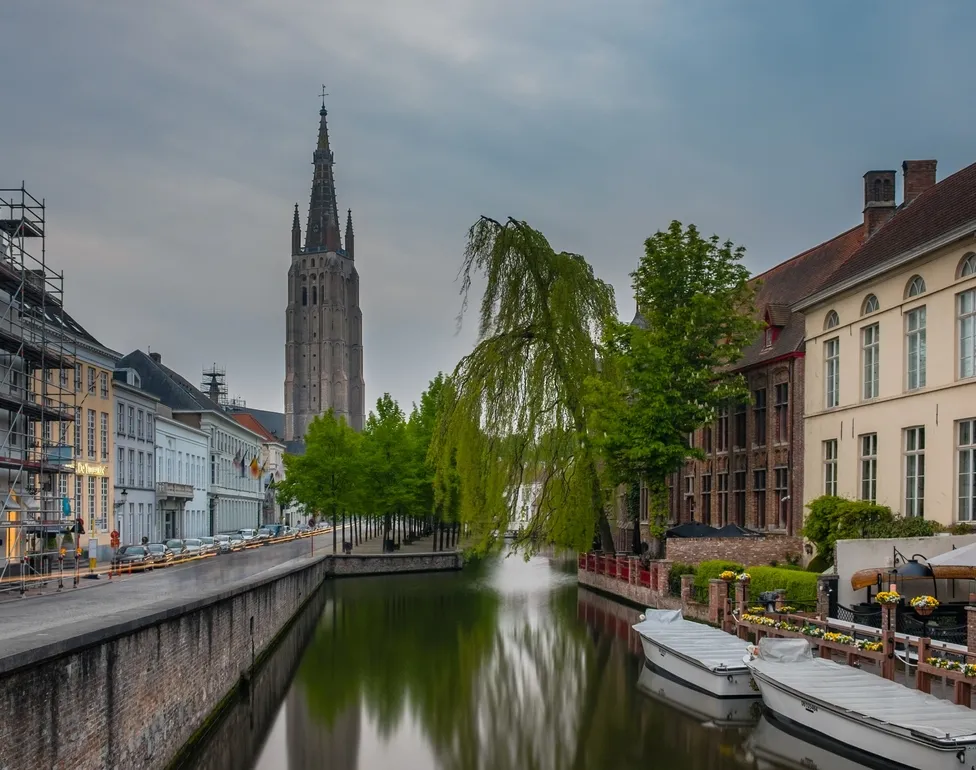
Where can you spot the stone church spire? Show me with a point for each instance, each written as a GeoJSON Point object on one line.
{"type": "Point", "coordinates": [296, 234]}
{"type": "Point", "coordinates": [322, 233]}
{"type": "Point", "coordinates": [349, 237]}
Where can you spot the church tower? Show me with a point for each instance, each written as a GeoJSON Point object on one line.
{"type": "Point", "coordinates": [323, 322]}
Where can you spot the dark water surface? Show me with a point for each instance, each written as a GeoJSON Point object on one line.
{"type": "Point", "coordinates": [506, 666]}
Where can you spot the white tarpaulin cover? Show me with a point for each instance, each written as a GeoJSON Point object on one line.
{"type": "Point", "coordinates": [959, 557]}
{"type": "Point", "coordinates": [864, 696]}
{"type": "Point", "coordinates": [710, 647]}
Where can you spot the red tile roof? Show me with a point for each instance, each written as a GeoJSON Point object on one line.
{"type": "Point", "coordinates": [789, 282]}
{"type": "Point", "coordinates": [944, 207]}
{"type": "Point", "coordinates": [251, 423]}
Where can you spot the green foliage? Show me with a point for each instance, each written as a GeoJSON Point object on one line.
{"type": "Point", "coordinates": [327, 478]}
{"type": "Point", "coordinates": [836, 518]}
{"type": "Point", "coordinates": [818, 564]}
{"type": "Point", "coordinates": [661, 381]}
{"type": "Point", "coordinates": [677, 570]}
{"type": "Point", "coordinates": [709, 570]}
{"type": "Point", "coordinates": [514, 410]}
{"type": "Point", "coordinates": [801, 587]}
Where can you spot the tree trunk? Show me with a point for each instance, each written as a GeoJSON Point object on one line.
{"type": "Point", "coordinates": [334, 534]}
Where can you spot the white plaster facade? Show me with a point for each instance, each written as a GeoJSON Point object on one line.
{"type": "Point", "coordinates": [136, 512]}
{"type": "Point", "coordinates": [236, 496]}
{"type": "Point", "coordinates": [181, 478]}
{"type": "Point", "coordinates": [891, 392]}
{"type": "Point", "coordinates": [273, 463]}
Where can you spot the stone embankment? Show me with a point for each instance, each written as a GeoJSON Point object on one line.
{"type": "Point", "coordinates": [102, 683]}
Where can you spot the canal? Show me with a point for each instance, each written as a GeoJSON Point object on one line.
{"type": "Point", "coordinates": [505, 666]}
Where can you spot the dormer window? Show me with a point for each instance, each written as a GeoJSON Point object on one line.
{"type": "Point", "coordinates": [769, 336]}
{"type": "Point", "coordinates": [776, 317]}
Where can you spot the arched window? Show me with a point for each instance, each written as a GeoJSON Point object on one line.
{"type": "Point", "coordinates": [315, 295]}
{"type": "Point", "coordinates": [967, 266]}
{"type": "Point", "coordinates": [877, 189]}
{"type": "Point", "coordinates": [304, 295]}
{"type": "Point", "coordinates": [313, 263]}
{"type": "Point", "coordinates": [887, 191]}
{"type": "Point", "coordinates": [831, 320]}
{"type": "Point", "coordinates": [303, 264]}
{"type": "Point", "coordinates": [916, 286]}
{"type": "Point", "coordinates": [870, 305]}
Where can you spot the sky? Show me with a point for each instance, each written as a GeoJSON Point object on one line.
{"type": "Point", "coordinates": [172, 140]}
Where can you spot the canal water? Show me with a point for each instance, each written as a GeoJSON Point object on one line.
{"type": "Point", "coordinates": [508, 665]}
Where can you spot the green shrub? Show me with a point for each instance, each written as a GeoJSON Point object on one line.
{"type": "Point", "coordinates": [801, 587]}
{"type": "Point", "coordinates": [677, 570]}
{"type": "Point", "coordinates": [709, 570]}
{"type": "Point", "coordinates": [834, 518]}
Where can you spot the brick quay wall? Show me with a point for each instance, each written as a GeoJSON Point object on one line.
{"type": "Point", "coordinates": [133, 694]}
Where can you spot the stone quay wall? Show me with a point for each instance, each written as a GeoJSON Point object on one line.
{"type": "Point", "coordinates": [133, 694]}
{"type": "Point", "coordinates": [658, 597]}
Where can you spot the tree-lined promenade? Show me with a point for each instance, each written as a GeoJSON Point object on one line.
{"type": "Point", "coordinates": [557, 392]}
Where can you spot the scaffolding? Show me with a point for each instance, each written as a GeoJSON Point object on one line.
{"type": "Point", "coordinates": [215, 386]}
{"type": "Point", "coordinates": [38, 401]}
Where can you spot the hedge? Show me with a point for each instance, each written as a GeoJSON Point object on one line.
{"type": "Point", "coordinates": [801, 587]}
{"type": "Point", "coordinates": [677, 570]}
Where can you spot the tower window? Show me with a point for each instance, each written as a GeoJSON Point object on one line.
{"type": "Point", "coordinates": [315, 295]}
{"type": "Point", "coordinates": [877, 189]}
{"type": "Point", "coordinates": [304, 295]}
{"type": "Point", "coordinates": [313, 263]}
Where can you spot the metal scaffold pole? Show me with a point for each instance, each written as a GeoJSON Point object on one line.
{"type": "Point", "coordinates": [37, 402]}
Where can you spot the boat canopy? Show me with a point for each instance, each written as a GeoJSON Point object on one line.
{"type": "Point", "coordinates": [710, 648]}
{"type": "Point", "coordinates": [864, 696]}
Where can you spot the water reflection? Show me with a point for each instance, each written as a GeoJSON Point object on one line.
{"type": "Point", "coordinates": [503, 667]}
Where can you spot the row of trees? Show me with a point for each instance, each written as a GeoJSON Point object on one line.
{"type": "Point", "coordinates": [378, 481]}
{"type": "Point", "coordinates": [557, 392]}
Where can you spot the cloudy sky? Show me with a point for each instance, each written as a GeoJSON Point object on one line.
{"type": "Point", "coordinates": [172, 139]}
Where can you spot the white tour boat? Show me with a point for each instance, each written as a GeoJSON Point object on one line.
{"type": "Point", "coordinates": [702, 657]}
{"type": "Point", "coordinates": [862, 711]}
{"type": "Point", "coordinates": [700, 706]}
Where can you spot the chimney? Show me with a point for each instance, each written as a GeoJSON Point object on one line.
{"type": "Point", "coordinates": [879, 200]}
{"type": "Point", "coordinates": [919, 176]}
{"type": "Point", "coordinates": [156, 357]}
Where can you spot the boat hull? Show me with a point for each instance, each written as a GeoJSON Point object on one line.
{"type": "Point", "coordinates": [730, 683]}
{"type": "Point", "coordinates": [898, 751]}
{"type": "Point", "coordinates": [701, 706]}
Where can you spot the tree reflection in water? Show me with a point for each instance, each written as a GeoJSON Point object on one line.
{"type": "Point", "coordinates": [499, 673]}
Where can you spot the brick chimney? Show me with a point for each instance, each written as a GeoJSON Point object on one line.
{"type": "Point", "coordinates": [879, 200]}
{"type": "Point", "coordinates": [156, 357]}
{"type": "Point", "coordinates": [919, 176]}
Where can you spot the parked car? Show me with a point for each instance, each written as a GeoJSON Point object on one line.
{"type": "Point", "coordinates": [237, 543]}
{"type": "Point", "coordinates": [209, 545]}
{"type": "Point", "coordinates": [248, 534]}
{"type": "Point", "coordinates": [194, 546]}
{"type": "Point", "coordinates": [132, 557]}
{"type": "Point", "coordinates": [159, 554]}
{"type": "Point", "coordinates": [177, 547]}
{"type": "Point", "coordinates": [264, 533]}
{"type": "Point", "coordinates": [223, 543]}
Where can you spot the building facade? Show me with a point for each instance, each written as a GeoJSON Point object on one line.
{"type": "Point", "coordinates": [94, 440]}
{"type": "Point", "coordinates": [182, 482]}
{"type": "Point", "coordinates": [136, 510]}
{"type": "Point", "coordinates": [323, 320]}
{"type": "Point", "coordinates": [890, 410]}
{"type": "Point", "coordinates": [753, 473]}
{"type": "Point", "coordinates": [271, 466]}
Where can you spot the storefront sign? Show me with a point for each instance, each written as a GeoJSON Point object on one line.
{"type": "Point", "coordinates": [89, 469]}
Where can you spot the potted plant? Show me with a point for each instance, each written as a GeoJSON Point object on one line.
{"type": "Point", "coordinates": [743, 577]}
{"type": "Point", "coordinates": [924, 605]}
{"type": "Point", "coordinates": [728, 576]}
{"type": "Point", "coordinates": [888, 597]}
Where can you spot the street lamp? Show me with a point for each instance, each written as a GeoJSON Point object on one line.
{"type": "Point", "coordinates": [116, 506]}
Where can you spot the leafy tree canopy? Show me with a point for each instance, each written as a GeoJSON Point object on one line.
{"type": "Point", "coordinates": [668, 374]}
{"type": "Point", "coordinates": [515, 404]}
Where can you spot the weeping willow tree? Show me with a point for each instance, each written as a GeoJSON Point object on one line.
{"type": "Point", "coordinates": [514, 411]}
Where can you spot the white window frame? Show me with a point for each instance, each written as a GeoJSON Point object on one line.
{"type": "Point", "coordinates": [832, 372]}
{"type": "Point", "coordinates": [966, 324]}
{"type": "Point", "coordinates": [868, 455]}
{"type": "Point", "coordinates": [870, 361]}
{"type": "Point", "coordinates": [966, 470]}
{"type": "Point", "coordinates": [914, 448]}
{"type": "Point", "coordinates": [915, 347]}
{"type": "Point", "coordinates": [120, 471]}
{"type": "Point", "coordinates": [830, 467]}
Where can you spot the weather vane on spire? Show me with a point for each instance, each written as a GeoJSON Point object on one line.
{"type": "Point", "coordinates": [324, 94]}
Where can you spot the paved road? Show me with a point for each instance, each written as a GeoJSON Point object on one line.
{"type": "Point", "coordinates": [38, 621]}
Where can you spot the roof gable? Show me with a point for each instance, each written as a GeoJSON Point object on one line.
{"type": "Point", "coordinates": [946, 206]}
{"type": "Point", "coordinates": [170, 388]}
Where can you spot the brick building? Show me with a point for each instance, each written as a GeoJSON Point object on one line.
{"type": "Point", "coordinates": [753, 473]}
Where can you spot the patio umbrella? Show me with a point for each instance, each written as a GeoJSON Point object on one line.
{"type": "Point", "coordinates": [959, 563]}
{"type": "Point", "coordinates": [691, 529]}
